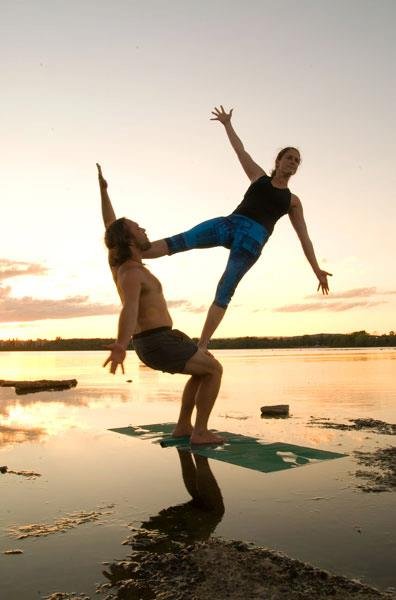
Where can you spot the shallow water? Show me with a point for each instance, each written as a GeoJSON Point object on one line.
{"type": "Point", "coordinates": [315, 513]}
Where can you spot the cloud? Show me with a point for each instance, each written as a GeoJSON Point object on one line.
{"type": "Point", "coordinates": [26, 309]}
{"type": "Point", "coordinates": [13, 310]}
{"type": "Point", "coordinates": [354, 293]}
{"type": "Point", "coordinates": [4, 292]}
{"type": "Point", "coordinates": [186, 306]}
{"type": "Point", "coordinates": [12, 268]}
{"type": "Point", "coordinates": [17, 310]}
{"type": "Point", "coordinates": [331, 306]}
{"type": "Point", "coordinates": [323, 302]}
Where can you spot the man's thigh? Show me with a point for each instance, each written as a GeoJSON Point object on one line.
{"type": "Point", "coordinates": [202, 363]}
{"type": "Point", "coordinates": [167, 351]}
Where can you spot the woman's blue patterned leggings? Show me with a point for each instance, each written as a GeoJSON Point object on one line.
{"type": "Point", "coordinates": [244, 237]}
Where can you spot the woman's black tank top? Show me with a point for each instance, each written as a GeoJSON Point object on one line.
{"type": "Point", "coordinates": [264, 203]}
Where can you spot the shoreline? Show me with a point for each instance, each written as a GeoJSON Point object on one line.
{"type": "Point", "coordinates": [339, 341]}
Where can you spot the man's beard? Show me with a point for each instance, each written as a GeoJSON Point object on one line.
{"type": "Point", "coordinates": [144, 245]}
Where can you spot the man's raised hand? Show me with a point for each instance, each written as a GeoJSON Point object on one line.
{"type": "Point", "coordinates": [102, 180]}
{"type": "Point", "coordinates": [221, 115]}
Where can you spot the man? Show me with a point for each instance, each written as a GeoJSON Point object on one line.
{"type": "Point", "coordinates": [144, 315]}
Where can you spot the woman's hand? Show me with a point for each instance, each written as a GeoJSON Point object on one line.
{"type": "Point", "coordinates": [323, 283]}
{"type": "Point", "coordinates": [221, 115]}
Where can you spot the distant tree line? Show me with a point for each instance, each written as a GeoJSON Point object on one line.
{"type": "Point", "coordinates": [357, 339]}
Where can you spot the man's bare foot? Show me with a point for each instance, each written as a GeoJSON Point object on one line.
{"type": "Point", "coordinates": [182, 431]}
{"type": "Point", "coordinates": [206, 437]}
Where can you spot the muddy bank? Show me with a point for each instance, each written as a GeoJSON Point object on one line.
{"type": "Point", "coordinates": [381, 473]}
{"type": "Point", "coordinates": [373, 425]}
{"type": "Point", "coordinates": [66, 596]}
{"type": "Point", "coordinates": [70, 521]}
{"type": "Point", "coordinates": [227, 570]}
{"type": "Point", "coordinates": [29, 474]}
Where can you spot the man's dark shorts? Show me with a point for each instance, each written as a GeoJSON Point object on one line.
{"type": "Point", "coordinates": [164, 349]}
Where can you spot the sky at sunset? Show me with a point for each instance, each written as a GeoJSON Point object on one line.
{"type": "Point", "coordinates": [131, 84]}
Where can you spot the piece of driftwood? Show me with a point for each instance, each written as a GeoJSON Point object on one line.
{"type": "Point", "coordinates": [42, 385]}
{"type": "Point", "coordinates": [276, 410]}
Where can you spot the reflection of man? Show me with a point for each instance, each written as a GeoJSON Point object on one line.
{"type": "Point", "coordinates": [144, 315]}
{"type": "Point", "coordinates": [191, 521]}
{"type": "Point", "coordinates": [196, 519]}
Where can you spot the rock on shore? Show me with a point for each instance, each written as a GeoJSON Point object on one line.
{"type": "Point", "coordinates": [42, 385]}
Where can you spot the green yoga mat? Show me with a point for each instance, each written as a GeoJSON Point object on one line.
{"type": "Point", "coordinates": [240, 450]}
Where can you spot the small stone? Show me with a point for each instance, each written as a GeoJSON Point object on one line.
{"type": "Point", "coordinates": [276, 410]}
{"type": "Point", "coordinates": [16, 551]}
{"type": "Point", "coordinates": [3, 469]}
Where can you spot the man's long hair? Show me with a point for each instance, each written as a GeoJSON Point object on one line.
{"type": "Point", "coordinates": [118, 240]}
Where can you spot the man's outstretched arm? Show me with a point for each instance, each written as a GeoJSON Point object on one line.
{"type": "Point", "coordinates": [130, 284]}
{"type": "Point", "coordinates": [108, 213]}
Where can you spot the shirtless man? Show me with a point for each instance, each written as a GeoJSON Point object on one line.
{"type": "Point", "coordinates": [145, 317]}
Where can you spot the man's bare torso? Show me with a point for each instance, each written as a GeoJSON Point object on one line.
{"type": "Point", "coordinates": [152, 309]}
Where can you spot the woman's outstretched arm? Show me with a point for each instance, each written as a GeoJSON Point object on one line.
{"type": "Point", "coordinates": [296, 215]}
{"type": "Point", "coordinates": [252, 169]}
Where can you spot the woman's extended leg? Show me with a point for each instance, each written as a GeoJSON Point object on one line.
{"type": "Point", "coordinates": [209, 234]}
{"type": "Point", "coordinates": [239, 263]}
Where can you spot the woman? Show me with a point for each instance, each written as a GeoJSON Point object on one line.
{"type": "Point", "coordinates": [248, 228]}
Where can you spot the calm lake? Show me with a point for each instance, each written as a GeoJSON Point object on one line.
{"type": "Point", "coordinates": [315, 513]}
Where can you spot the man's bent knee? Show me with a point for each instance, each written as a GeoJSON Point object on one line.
{"type": "Point", "coordinates": [203, 363]}
{"type": "Point", "coordinates": [218, 367]}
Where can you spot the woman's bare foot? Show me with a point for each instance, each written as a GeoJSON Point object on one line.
{"type": "Point", "coordinates": [182, 431]}
{"type": "Point", "coordinates": [205, 437]}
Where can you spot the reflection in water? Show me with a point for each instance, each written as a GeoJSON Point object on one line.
{"type": "Point", "coordinates": [184, 524]}
{"type": "Point", "coordinates": [89, 399]}
{"type": "Point", "coordinates": [19, 435]}
{"type": "Point", "coordinates": [35, 417]}
{"type": "Point", "coordinates": [7, 404]}
{"type": "Point", "coordinates": [188, 522]}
